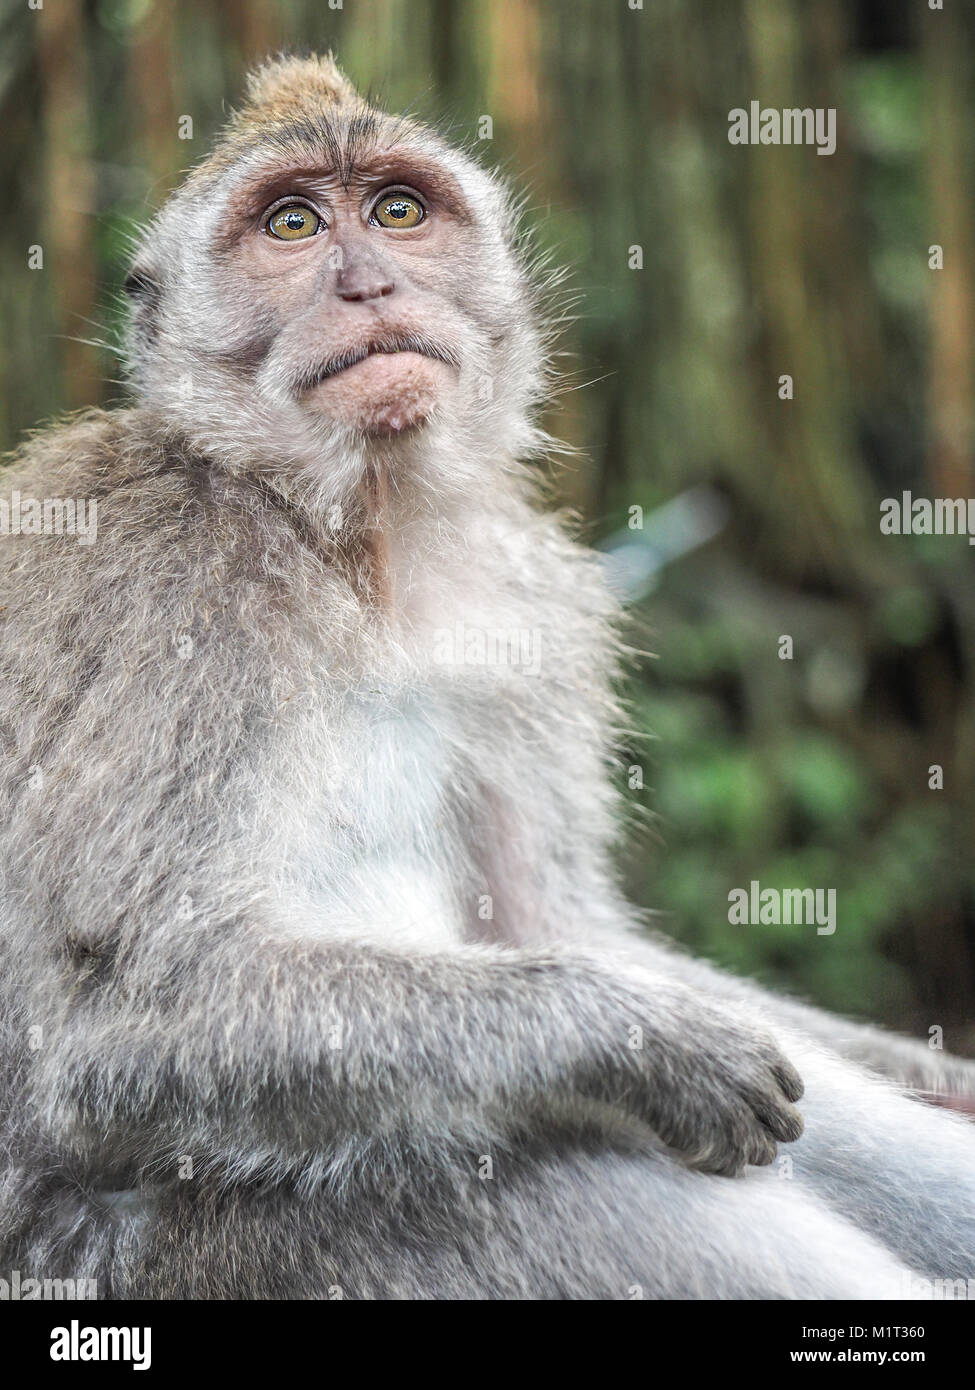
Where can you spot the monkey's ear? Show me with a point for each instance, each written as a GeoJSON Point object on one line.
{"type": "Point", "coordinates": [284, 82]}
{"type": "Point", "coordinates": [141, 285]}
{"type": "Point", "coordinates": [144, 291]}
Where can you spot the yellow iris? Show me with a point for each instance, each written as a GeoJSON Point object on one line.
{"type": "Point", "coordinates": [293, 222]}
{"type": "Point", "coordinates": [398, 210]}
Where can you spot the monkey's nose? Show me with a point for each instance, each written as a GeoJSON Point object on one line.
{"type": "Point", "coordinates": [360, 282]}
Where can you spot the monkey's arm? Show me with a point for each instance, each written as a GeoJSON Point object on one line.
{"type": "Point", "coordinates": [270, 1052]}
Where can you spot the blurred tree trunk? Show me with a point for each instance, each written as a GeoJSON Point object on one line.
{"type": "Point", "coordinates": [70, 191]}
{"type": "Point", "coordinates": [151, 72]}
{"type": "Point", "coordinates": [256, 28]}
{"type": "Point", "coordinates": [513, 78]}
{"type": "Point", "coordinates": [951, 319]}
{"type": "Point", "coordinates": [445, 42]}
{"type": "Point", "coordinates": [814, 477]}
{"type": "Point", "coordinates": [519, 99]}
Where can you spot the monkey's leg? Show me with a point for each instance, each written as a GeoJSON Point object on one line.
{"type": "Point", "coordinates": [608, 1226]}
{"type": "Point", "coordinates": [904, 1172]}
{"type": "Point", "coordinates": [569, 1224]}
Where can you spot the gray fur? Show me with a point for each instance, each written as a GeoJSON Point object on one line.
{"type": "Point", "coordinates": [245, 875]}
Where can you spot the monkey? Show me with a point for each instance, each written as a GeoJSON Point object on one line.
{"type": "Point", "coordinates": [317, 978]}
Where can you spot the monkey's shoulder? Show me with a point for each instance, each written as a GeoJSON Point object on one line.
{"type": "Point", "coordinates": [153, 503]}
{"type": "Point", "coordinates": [92, 448]}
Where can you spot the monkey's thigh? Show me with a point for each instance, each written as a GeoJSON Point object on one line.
{"type": "Point", "coordinates": [571, 1224]}
{"type": "Point", "coordinates": [599, 1225]}
{"type": "Point", "coordinates": [898, 1168]}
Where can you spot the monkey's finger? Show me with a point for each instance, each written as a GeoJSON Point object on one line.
{"type": "Point", "coordinates": [783, 1123]}
{"type": "Point", "coordinates": [758, 1152]}
{"type": "Point", "coordinates": [762, 1151]}
{"type": "Point", "coordinates": [727, 1164]}
{"type": "Point", "coordinates": [789, 1080]}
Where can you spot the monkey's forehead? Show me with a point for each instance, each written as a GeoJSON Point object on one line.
{"type": "Point", "coordinates": [345, 140]}
{"type": "Point", "coordinates": [339, 139]}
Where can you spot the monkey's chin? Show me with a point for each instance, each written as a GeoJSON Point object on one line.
{"type": "Point", "coordinates": [384, 394]}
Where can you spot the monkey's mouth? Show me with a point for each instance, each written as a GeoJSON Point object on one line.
{"type": "Point", "coordinates": [383, 346]}
{"type": "Point", "coordinates": [385, 386]}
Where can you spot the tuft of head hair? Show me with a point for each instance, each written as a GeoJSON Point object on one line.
{"type": "Point", "coordinates": [286, 87]}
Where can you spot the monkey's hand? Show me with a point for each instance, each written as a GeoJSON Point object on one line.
{"type": "Point", "coordinates": [711, 1084]}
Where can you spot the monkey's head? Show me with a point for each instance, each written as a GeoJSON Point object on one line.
{"type": "Point", "coordinates": [333, 286]}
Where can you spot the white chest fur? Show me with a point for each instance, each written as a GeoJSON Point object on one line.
{"type": "Point", "coordinates": [377, 841]}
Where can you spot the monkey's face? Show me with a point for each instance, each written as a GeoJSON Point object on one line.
{"type": "Point", "coordinates": [370, 324]}
{"type": "Point", "coordinates": [332, 285]}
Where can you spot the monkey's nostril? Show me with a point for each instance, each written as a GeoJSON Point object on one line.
{"type": "Point", "coordinates": [356, 294]}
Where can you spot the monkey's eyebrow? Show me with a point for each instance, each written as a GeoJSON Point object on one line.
{"type": "Point", "coordinates": [382, 166]}
{"type": "Point", "coordinates": [428, 175]}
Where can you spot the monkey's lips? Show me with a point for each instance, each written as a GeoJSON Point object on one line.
{"type": "Point", "coordinates": [381, 392]}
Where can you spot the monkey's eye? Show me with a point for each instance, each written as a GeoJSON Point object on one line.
{"type": "Point", "coordinates": [293, 222]}
{"type": "Point", "coordinates": [397, 210]}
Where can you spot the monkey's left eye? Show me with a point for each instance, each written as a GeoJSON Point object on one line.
{"type": "Point", "coordinates": [398, 210]}
{"type": "Point", "coordinates": [293, 222]}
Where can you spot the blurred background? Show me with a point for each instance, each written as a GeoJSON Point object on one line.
{"type": "Point", "coordinates": [757, 261]}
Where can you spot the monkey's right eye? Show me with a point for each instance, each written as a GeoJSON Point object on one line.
{"type": "Point", "coordinates": [293, 222]}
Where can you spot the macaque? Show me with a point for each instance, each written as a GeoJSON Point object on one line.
{"type": "Point", "coordinates": [316, 978]}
